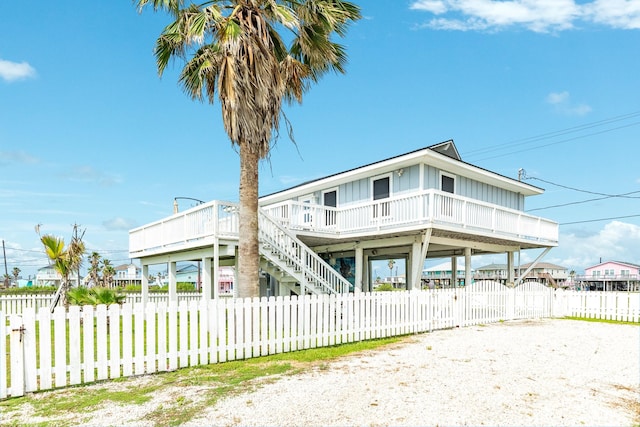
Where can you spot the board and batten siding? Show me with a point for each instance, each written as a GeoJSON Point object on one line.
{"type": "Point", "coordinates": [476, 190]}
{"type": "Point", "coordinates": [488, 193]}
{"type": "Point", "coordinates": [359, 191]}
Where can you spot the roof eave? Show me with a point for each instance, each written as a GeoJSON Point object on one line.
{"type": "Point", "coordinates": [425, 155]}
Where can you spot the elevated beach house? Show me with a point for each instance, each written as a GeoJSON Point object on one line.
{"type": "Point", "coordinates": [322, 236]}
{"type": "Point", "coordinates": [611, 276]}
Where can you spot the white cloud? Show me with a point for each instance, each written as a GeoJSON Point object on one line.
{"type": "Point", "coordinates": [119, 224]}
{"type": "Point", "coordinates": [617, 240]}
{"type": "Point", "coordinates": [624, 14]}
{"type": "Point", "coordinates": [12, 71]}
{"type": "Point", "coordinates": [541, 16]}
{"type": "Point", "coordinates": [89, 174]}
{"type": "Point", "coordinates": [561, 102]}
{"type": "Point", "coordinates": [19, 157]}
{"type": "Point", "coordinates": [557, 98]}
{"type": "Point", "coordinates": [433, 6]}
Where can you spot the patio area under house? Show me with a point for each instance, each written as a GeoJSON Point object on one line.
{"type": "Point", "coordinates": [323, 236]}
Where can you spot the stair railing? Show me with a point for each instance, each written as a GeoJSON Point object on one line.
{"type": "Point", "coordinates": [312, 267]}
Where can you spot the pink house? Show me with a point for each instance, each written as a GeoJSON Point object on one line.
{"type": "Point", "coordinates": [612, 276]}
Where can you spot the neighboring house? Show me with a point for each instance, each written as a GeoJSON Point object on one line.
{"type": "Point", "coordinates": [496, 272]}
{"type": "Point", "coordinates": [611, 276]}
{"type": "Point", "coordinates": [48, 276]}
{"type": "Point", "coordinates": [189, 273]}
{"type": "Point", "coordinates": [543, 272]}
{"type": "Point", "coordinates": [442, 275]}
{"type": "Point", "coordinates": [322, 236]}
{"type": "Point", "coordinates": [226, 277]}
{"type": "Point", "coordinates": [546, 273]}
{"type": "Point", "coordinates": [127, 274]}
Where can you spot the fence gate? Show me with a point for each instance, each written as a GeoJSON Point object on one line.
{"type": "Point", "coordinates": [12, 356]}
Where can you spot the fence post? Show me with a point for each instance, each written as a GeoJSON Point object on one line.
{"type": "Point", "coordinates": [17, 355]}
{"type": "Point", "coordinates": [511, 303]}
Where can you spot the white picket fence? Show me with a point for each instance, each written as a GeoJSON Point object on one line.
{"type": "Point", "coordinates": [16, 304]}
{"type": "Point", "coordinates": [620, 306]}
{"type": "Point", "coordinates": [40, 350]}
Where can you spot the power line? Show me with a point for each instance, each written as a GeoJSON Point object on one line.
{"type": "Point", "coordinates": [600, 219]}
{"type": "Point", "coordinates": [561, 141]}
{"type": "Point", "coordinates": [623, 195]}
{"type": "Point", "coordinates": [554, 134]}
{"type": "Point", "coordinates": [580, 202]}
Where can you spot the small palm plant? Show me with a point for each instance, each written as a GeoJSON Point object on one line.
{"type": "Point", "coordinates": [95, 296]}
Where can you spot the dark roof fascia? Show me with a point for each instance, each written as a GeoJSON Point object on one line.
{"type": "Point", "coordinates": [430, 147]}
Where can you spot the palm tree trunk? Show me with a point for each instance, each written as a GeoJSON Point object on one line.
{"type": "Point", "coordinates": [248, 252]}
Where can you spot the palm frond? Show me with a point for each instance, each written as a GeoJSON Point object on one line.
{"type": "Point", "coordinates": [200, 73]}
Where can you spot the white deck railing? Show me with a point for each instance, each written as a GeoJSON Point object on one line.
{"type": "Point", "coordinates": [198, 225]}
{"type": "Point", "coordinates": [428, 207]}
{"type": "Point", "coordinates": [192, 227]}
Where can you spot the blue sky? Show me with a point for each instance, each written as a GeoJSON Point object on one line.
{"type": "Point", "coordinates": [89, 133]}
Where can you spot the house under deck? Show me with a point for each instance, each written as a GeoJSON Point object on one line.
{"type": "Point", "coordinates": [326, 244]}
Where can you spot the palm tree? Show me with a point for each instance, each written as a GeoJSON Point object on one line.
{"type": "Point", "coordinates": [107, 272]}
{"type": "Point", "coordinates": [391, 263]}
{"type": "Point", "coordinates": [65, 261]}
{"type": "Point", "coordinates": [16, 273]}
{"type": "Point", "coordinates": [232, 48]}
{"type": "Point", "coordinates": [94, 269]}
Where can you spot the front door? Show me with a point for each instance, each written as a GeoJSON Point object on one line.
{"type": "Point", "coordinates": [330, 199]}
{"type": "Point", "coordinates": [306, 214]}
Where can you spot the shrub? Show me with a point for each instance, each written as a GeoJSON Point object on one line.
{"type": "Point", "coordinates": [32, 290]}
{"type": "Point", "coordinates": [385, 287]}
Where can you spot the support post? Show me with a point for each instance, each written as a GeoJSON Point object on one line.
{"type": "Point", "coordinates": [454, 272]}
{"type": "Point", "coordinates": [173, 295]}
{"type": "Point", "coordinates": [467, 266]}
{"type": "Point", "coordinates": [206, 279]}
{"type": "Point", "coordinates": [359, 269]}
{"type": "Point", "coordinates": [416, 267]}
{"type": "Point", "coordinates": [145, 285]}
{"type": "Point", "coordinates": [510, 269]}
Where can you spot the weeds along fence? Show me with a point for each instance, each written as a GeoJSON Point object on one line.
{"type": "Point", "coordinates": [40, 350]}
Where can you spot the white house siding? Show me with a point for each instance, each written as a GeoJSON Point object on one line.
{"type": "Point", "coordinates": [353, 192]}
{"type": "Point", "coordinates": [360, 190]}
{"type": "Point", "coordinates": [408, 181]}
{"type": "Point", "coordinates": [488, 193]}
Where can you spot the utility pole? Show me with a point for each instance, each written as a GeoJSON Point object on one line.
{"type": "Point", "coordinates": [6, 272]}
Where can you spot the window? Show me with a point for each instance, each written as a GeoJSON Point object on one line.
{"type": "Point", "coordinates": [381, 191]}
{"type": "Point", "coordinates": [447, 183]}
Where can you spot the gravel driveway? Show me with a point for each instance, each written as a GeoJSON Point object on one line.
{"type": "Point", "coordinates": [548, 372]}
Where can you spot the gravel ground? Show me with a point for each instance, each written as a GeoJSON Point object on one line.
{"type": "Point", "coordinates": [550, 372]}
{"type": "Point", "coordinates": [542, 373]}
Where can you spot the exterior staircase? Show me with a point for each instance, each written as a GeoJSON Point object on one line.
{"type": "Point", "coordinates": [293, 263]}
